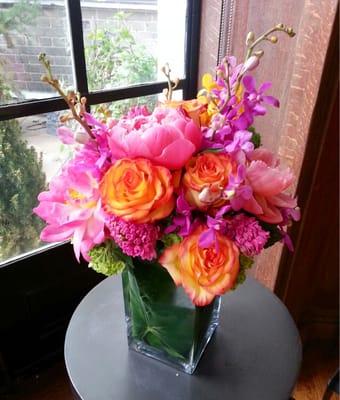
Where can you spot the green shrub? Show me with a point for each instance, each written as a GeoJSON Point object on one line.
{"type": "Point", "coordinates": [114, 58]}
{"type": "Point", "coordinates": [21, 179]}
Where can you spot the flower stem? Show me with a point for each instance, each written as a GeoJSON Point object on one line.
{"type": "Point", "coordinates": [265, 36]}
{"type": "Point", "coordinates": [70, 101]}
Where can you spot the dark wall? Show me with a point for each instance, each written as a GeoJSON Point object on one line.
{"type": "Point", "coordinates": [37, 298]}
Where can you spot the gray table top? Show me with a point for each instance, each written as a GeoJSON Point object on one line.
{"type": "Point", "coordinates": [255, 353]}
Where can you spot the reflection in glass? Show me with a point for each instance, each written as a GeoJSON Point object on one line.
{"type": "Point", "coordinates": [128, 42]}
{"type": "Point", "coordinates": [117, 109]}
{"type": "Point", "coordinates": [26, 29]}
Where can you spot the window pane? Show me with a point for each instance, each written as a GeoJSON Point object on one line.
{"type": "Point", "coordinates": [127, 42]}
{"type": "Point", "coordinates": [30, 154]}
{"type": "Point", "coordinates": [117, 109]}
{"type": "Point", "coordinates": [26, 29]}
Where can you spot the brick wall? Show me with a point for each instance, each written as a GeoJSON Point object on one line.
{"type": "Point", "coordinates": [49, 34]}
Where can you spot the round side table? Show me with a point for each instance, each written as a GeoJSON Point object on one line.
{"type": "Point", "coordinates": [255, 353]}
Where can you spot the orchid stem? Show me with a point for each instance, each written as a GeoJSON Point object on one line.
{"type": "Point", "coordinates": [172, 85]}
{"type": "Point", "coordinates": [49, 78]}
{"type": "Point", "coordinates": [277, 28]}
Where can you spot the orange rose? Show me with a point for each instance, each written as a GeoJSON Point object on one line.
{"type": "Point", "coordinates": [203, 272]}
{"type": "Point", "coordinates": [205, 178]}
{"type": "Point", "coordinates": [137, 191]}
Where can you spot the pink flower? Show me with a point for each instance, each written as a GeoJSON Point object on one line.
{"type": "Point", "coordinates": [268, 183]}
{"type": "Point", "coordinates": [65, 135]}
{"type": "Point", "coordinates": [135, 240]}
{"type": "Point", "coordinates": [72, 209]}
{"type": "Point", "coordinates": [138, 111]}
{"type": "Point", "coordinates": [166, 137]}
{"type": "Point", "coordinates": [248, 235]}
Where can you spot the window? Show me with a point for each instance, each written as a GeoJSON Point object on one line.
{"type": "Point", "coordinates": [110, 52]}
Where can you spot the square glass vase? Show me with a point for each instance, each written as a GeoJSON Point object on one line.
{"type": "Point", "coordinates": [162, 322]}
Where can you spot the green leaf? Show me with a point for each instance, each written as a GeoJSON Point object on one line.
{"type": "Point", "coordinates": [212, 150]}
{"type": "Point", "coordinates": [155, 322]}
{"type": "Point", "coordinates": [256, 138]}
{"type": "Point", "coordinates": [171, 239]}
{"type": "Point", "coordinates": [274, 233]}
{"type": "Point", "coordinates": [245, 264]}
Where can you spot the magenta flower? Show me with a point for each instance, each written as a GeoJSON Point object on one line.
{"type": "Point", "coordinates": [65, 135]}
{"type": "Point", "coordinates": [288, 215]}
{"type": "Point", "coordinates": [72, 209]}
{"type": "Point", "coordinates": [216, 224]}
{"type": "Point", "coordinates": [167, 138]}
{"type": "Point", "coordinates": [137, 111]}
{"type": "Point", "coordinates": [253, 98]}
{"type": "Point", "coordinates": [248, 235]}
{"type": "Point", "coordinates": [135, 240]}
{"type": "Point", "coordinates": [182, 221]}
{"type": "Point", "coordinates": [241, 142]}
{"type": "Point", "coordinates": [237, 191]}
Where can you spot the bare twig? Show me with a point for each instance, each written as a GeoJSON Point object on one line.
{"type": "Point", "coordinates": [70, 99]}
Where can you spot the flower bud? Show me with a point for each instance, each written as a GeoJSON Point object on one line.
{"type": "Point", "coordinates": [250, 64]}
{"type": "Point", "coordinates": [81, 137]}
{"type": "Point", "coordinates": [259, 53]}
{"type": "Point", "coordinates": [250, 38]}
{"type": "Point", "coordinates": [220, 73]}
{"type": "Point", "coordinates": [209, 194]}
{"type": "Point", "coordinates": [290, 32]}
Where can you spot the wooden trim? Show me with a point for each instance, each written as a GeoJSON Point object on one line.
{"type": "Point", "coordinates": [294, 66]}
{"type": "Point", "coordinates": [210, 33]}
{"type": "Point", "coordinates": [329, 86]}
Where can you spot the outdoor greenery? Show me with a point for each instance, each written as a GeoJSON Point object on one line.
{"type": "Point", "coordinates": [21, 175]}
{"type": "Point", "coordinates": [114, 58]}
{"type": "Point", "coordinates": [21, 179]}
{"type": "Point", "coordinates": [17, 18]}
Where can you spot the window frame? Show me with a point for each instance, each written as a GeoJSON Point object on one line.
{"type": "Point", "coordinates": [33, 107]}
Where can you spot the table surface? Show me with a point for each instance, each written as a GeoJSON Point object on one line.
{"type": "Point", "coordinates": [255, 353]}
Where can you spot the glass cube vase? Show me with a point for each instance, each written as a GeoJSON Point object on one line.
{"type": "Point", "coordinates": [162, 322]}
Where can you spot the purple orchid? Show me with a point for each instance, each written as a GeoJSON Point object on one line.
{"type": "Point", "coordinates": [237, 191]}
{"type": "Point", "coordinates": [253, 99]}
{"type": "Point", "coordinates": [286, 240]}
{"type": "Point", "coordinates": [182, 222]}
{"type": "Point", "coordinates": [241, 141]}
{"type": "Point", "coordinates": [101, 133]}
{"type": "Point", "coordinates": [219, 224]}
{"type": "Point", "coordinates": [288, 215]}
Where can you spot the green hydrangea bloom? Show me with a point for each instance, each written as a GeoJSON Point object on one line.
{"type": "Point", "coordinates": [107, 258]}
{"type": "Point", "coordinates": [245, 264]}
{"type": "Point", "coordinates": [171, 239]}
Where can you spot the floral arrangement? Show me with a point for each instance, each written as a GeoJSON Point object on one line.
{"type": "Point", "coordinates": [188, 185]}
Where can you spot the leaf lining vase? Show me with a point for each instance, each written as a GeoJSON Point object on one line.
{"type": "Point", "coordinates": [162, 323]}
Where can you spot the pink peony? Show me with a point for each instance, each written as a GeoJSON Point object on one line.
{"type": "Point", "coordinates": [72, 209]}
{"type": "Point", "coordinates": [268, 183]}
{"type": "Point", "coordinates": [166, 137]}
